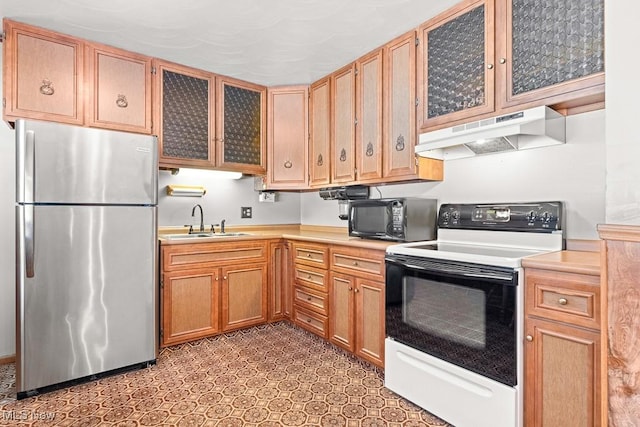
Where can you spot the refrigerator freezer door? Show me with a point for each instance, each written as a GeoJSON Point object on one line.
{"type": "Point", "coordinates": [65, 164]}
{"type": "Point", "coordinates": [91, 305]}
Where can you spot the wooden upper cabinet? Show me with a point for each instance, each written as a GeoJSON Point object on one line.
{"type": "Point", "coordinates": [320, 133]}
{"type": "Point", "coordinates": [343, 125]}
{"type": "Point", "coordinates": [184, 115]}
{"type": "Point", "coordinates": [369, 117]}
{"type": "Point", "coordinates": [287, 138]}
{"type": "Point", "coordinates": [43, 74]}
{"type": "Point", "coordinates": [118, 89]}
{"type": "Point", "coordinates": [546, 57]}
{"type": "Point", "coordinates": [456, 70]}
{"type": "Point", "coordinates": [399, 138]}
{"type": "Point", "coordinates": [241, 126]}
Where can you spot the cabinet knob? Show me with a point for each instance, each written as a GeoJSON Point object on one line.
{"type": "Point", "coordinates": [47, 87]}
{"type": "Point", "coordinates": [563, 301]}
{"type": "Point", "coordinates": [356, 290]}
{"type": "Point", "coordinates": [490, 66]}
{"type": "Point", "coordinates": [224, 277]}
{"type": "Point", "coordinates": [529, 338]}
{"type": "Point", "coordinates": [309, 277]}
{"type": "Point", "coordinates": [308, 255]}
{"type": "Point", "coordinates": [308, 320]}
{"type": "Point", "coordinates": [308, 298]}
{"type": "Point", "coordinates": [122, 102]}
{"type": "Point", "coordinates": [288, 164]}
{"type": "Point", "coordinates": [503, 60]}
{"type": "Point", "coordinates": [350, 288]}
{"type": "Point", "coordinates": [355, 263]}
{"type": "Point", "coordinates": [217, 278]}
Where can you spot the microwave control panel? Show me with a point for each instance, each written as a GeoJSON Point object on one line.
{"type": "Point", "coordinates": [538, 217]}
{"type": "Point", "coordinates": [397, 218]}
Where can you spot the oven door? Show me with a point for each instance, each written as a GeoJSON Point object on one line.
{"type": "Point", "coordinates": [459, 312]}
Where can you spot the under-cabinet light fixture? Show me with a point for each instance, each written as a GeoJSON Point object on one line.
{"type": "Point", "coordinates": [186, 191]}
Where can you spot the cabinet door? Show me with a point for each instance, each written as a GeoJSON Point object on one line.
{"type": "Point", "coordinates": [562, 375]}
{"type": "Point", "coordinates": [343, 125]}
{"type": "Point", "coordinates": [369, 321]}
{"type": "Point", "coordinates": [119, 89]}
{"type": "Point", "coordinates": [341, 290]}
{"type": "Point", "coordinates": [287, 139]}
{"type": "Point", "coordinates": [189, 305]}
{"type": "Point", "coordinates": [241, 123]}
{"type": "Point", "coordinates": [280, 282]}
{"type": "Point", "coordinates": [244, 296]}
{"type": "Point", "coordinates": [320, 131]}
{"type": "Point", "coordinates": [184, 115]}
{"type": "Point", "coordinates": [455, 71]}
{"type": "Point", "coordinates": [400, 108]}
{"type": "Point", "coordinates": [547, 55]}
{"type": "Point", "coordinates": [43, 74]}
{"type": "Point", "coordinates": [369, 117]}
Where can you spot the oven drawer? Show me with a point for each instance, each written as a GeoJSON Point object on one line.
{"type": "Point", "coordinates": [311, 254]}
{"type": "Point", "coordinates": [358, 262]}
{"type": "Point", "coordinates": [567, 297]}
{"type": "Point", "coordinates": [312, 277]}
{"type": "Point", "coordinates": [313, 322]}
{"type": "Point", "coordinates": [308, 298]}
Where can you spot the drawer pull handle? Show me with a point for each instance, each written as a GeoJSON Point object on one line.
{"type": "Point", "coordinates": [309, 277]}
{"type": "Point", "coordinates": [308, 298]}
{"type": "Point", "coordinates": [529, 338]}
{"type": "Point", "coordinates": [563, 301]}
{"type": "Point", "coordinates": [309, 255]}
{"type": "Point", "coordinates": [355, 263]}
{"type": "Point", "coordinates": [308, 320]}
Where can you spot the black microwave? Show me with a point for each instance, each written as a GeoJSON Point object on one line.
{"type": "Point", "coordinates": [405, 219]}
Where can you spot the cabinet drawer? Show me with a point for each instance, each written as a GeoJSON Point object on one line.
{"type": "Point", "coordinates": [312, 277]}
{"type": "Point", "coordinates": [175, 257]}
{"type": "Point", "coordinates": [310, 254]}
{"type": "Point", "coordinates": [566, 297]}
{"type": "Point", "coordinates": [308, 298]}
{"type": "Point", "coordinates": [313, 322]}
{"type": "Point", "coordinates": [358, 262]}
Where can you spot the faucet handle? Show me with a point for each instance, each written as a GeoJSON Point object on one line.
{"type": "Point", "coordinates": [222, 225]}
{"type": "Point", "coordinates": [190, 228]}
{"type": "Point", "coordinates": [213, 228]}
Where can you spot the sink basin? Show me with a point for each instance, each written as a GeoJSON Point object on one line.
{"type": "Point", "coordinates": [200, 235]}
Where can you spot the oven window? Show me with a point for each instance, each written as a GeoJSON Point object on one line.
{"type": "Point", "coordinates": [465, 320]}
{"type": "Point", "coordinates": [450, 312]}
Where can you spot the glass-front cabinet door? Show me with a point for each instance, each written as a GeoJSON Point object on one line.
{"type": "Point", "coordinates": [551, 50]}
{"type": "Point", "coordinates": [456, 70]}
{"type": "Point", "coordinates": [241, 135]}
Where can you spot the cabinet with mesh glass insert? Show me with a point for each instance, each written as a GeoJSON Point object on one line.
{"type": "Point", "coordinates": [483, 56]}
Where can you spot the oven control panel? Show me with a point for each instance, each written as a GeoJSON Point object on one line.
{"type": "Point", "coordinates": [535, 216]}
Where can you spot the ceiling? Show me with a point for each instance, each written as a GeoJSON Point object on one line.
{"type": "Point", "coordinates": [270, 42]}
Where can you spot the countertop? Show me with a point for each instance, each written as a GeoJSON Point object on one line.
{"type": "Point", "coordinates": [581, 262]}
{"type": "Point", "coordinates": [318, 234]}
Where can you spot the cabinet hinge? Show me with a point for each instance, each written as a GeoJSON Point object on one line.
{"type": "Point", "coordinates": [162, 283]}
{"type": "Point", "coordinates": [417, 41]}
{"type": "Point", "coordinates": [153, 70]}
{"type": "Point", "coordinates": [417, 161]}
{"type": "Point", "coordinates": [356, 121]}
{"type": "Point", "coordinates": [4, 102]}
{"type": "Point", "coordinates": [3, 36]}
{"type": "Point", "coordinates": [417, 101]}
{"type": "Point", "coordinates": [356, 71]}
{"type": "Point", "coordinates": [161, 333]}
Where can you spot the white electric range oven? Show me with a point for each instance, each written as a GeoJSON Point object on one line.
{"type": "Point", "coordinates": [454, 310]}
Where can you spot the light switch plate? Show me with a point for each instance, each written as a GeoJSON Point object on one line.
{"type": "Point", "coordinates": [245, 212]}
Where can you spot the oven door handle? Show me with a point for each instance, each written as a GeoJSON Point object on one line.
{"type": "Point", "coordinates": [495, 276]}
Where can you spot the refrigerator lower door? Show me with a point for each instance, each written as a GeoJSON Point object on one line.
{"type": "Point", "coordinates": [90, 304]}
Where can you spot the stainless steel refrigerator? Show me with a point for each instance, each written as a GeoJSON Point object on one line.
{"type": "Point", "coordinates": [86, 250]}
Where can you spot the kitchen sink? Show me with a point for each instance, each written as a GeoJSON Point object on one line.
{"type": "Point", "coordinates": [200, 235]}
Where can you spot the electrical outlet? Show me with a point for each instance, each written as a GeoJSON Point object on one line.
{"type": "Point", "coordinates": [245, 212]}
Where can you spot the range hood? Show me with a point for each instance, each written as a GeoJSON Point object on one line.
{"type": "Point", "coordinates": [531, 128]}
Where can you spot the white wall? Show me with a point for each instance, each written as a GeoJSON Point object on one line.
{"type": "Point", "coordinates": [7, 239]}
{"type": "Point", "coordinates": [623, 98]}
{"type": "Point", "coordinates": [573, 173]}
{"type": "Point", "coordinates": [223, 200]}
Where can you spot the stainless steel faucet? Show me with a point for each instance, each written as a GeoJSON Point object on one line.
{"type": "Point", "coordinates": [193, 213]}
{"type": "Point", "coordinates": [222, 226]}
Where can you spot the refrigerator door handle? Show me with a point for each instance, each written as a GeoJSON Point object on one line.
{"type": "Point", "coordinates": [29, 240]}
{"type": "Point", "coordinates": [29, 166]}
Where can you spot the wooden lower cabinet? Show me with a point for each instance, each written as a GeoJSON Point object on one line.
{"type": "Point", "coordinates": [280, 277]}
{"type": "Point", "coordinates": [562, 380]}
{"type": "Point", "coordinates": [244, 296]}
{"type": "Point", "coordinates": [190, 306]}
{"type": "Point", "coordinates": [562, 376]}
{"type": "Point", "coordinates": [209, 288]}
{"type": "Point", "coordinates": [356, 318]}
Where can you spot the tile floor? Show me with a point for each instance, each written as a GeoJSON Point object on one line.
{"type": "Point", "coordinates": [272, 375]}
